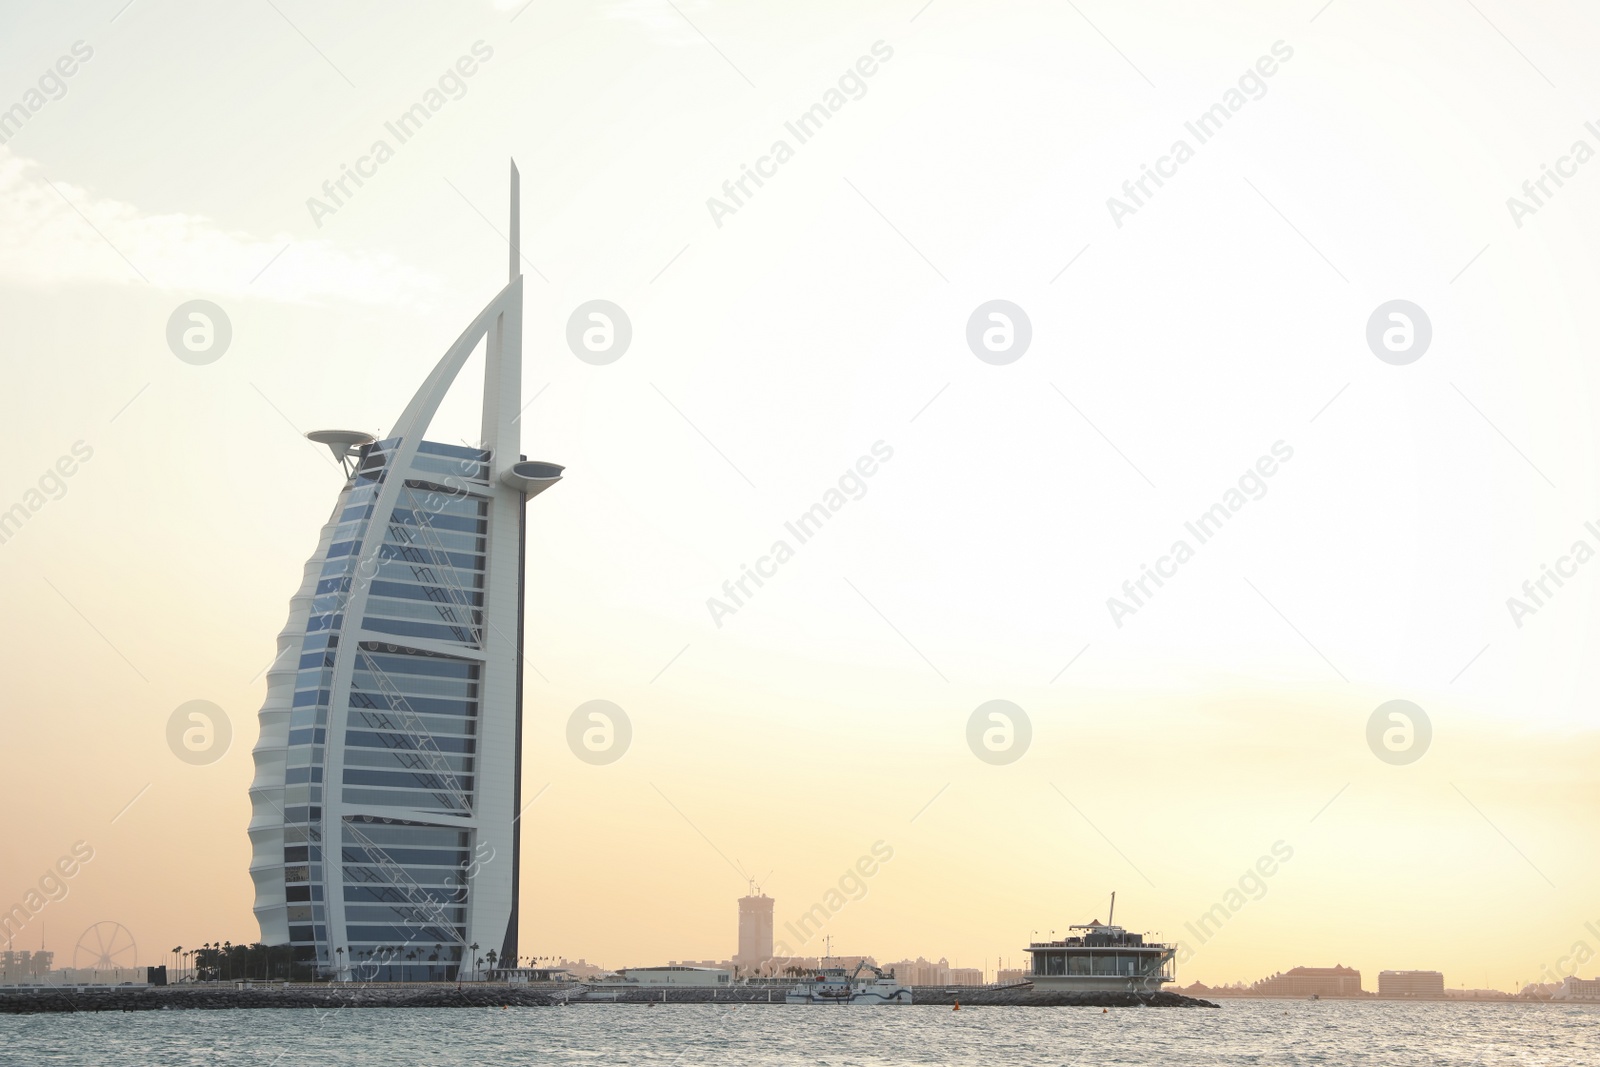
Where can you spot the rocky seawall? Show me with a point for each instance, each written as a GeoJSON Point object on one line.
{"type": "Point", "coordinates": [331, 997]}
{"type": "Point", "coordinates": [1025, 996]}
{"type": "Point", "coordinates": [336, 997]}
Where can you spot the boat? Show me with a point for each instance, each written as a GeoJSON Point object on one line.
{"type": "Point", "coordinates": [1103, 958]}
{"type": "Point", "coordinates": [835, 985]}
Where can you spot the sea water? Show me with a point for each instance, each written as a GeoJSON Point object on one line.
{"type": "Point", "coordinates": [1253, 1032]}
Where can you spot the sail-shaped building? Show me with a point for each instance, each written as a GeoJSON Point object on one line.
{"type": "Point", "coordinates": [384, 821]}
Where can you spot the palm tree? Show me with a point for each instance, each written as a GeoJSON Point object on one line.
{"type": "Point", "coordinates": [338, 974]}
{"type": "Point", "coordinates": [474, 947]}
{"type": "Point", "coordinates": [491, 958]}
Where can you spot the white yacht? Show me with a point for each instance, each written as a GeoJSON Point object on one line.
{"type": "Point", "coordinates": [834, 985]}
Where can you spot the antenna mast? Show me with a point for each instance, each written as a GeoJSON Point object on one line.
{"type": "Point", "coordinates": [1111, 920]}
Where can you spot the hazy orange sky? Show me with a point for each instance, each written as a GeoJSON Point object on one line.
{"type": "Point", "coordinates": [1171, 349]}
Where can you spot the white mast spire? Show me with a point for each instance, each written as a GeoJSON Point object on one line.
{"type": "Point", "coordinates": [502, 379]}
{"type": "Point", "coordinates": [516, 221]}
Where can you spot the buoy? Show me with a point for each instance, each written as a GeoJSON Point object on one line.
{"type": "Point", "coordinates": [1104, 1010]}
{"type": "Point", "coordinates": [957, 1006]}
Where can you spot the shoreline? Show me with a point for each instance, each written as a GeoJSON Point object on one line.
{"type": "Point", "coordinates": [480, 995]}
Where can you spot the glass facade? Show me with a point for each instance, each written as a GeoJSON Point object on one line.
{"type": "Point", "coordinates": [1151, 962]}
{"type": "Point", "coordinates": [404, 725]}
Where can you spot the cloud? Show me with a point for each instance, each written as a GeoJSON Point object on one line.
{"type": "Point", "coordinates": [671, 27]}
{"type": "Point", "coordinates": [53, 233]}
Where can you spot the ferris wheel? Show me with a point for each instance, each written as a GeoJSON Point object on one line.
{"type": "Point", "coordinates": [105, 946]}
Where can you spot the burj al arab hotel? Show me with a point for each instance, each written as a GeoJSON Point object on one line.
{"type": "Point", "coordinates": [384, 811]}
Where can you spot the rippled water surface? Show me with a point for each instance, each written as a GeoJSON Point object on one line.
{"type": "Point", "coordinates": [1240, 1032]}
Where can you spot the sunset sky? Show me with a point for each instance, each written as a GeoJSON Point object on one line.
{"type": "Point", "coordinates": [1223, 320]}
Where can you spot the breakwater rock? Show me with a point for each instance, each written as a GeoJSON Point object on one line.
{"type": "Point", "coordinates": [331, 997]}
{"type": "Point", "coordinates": [1025, 996]}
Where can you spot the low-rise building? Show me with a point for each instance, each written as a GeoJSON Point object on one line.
{"type": "Point", "coordinates": [1101, 957]}
{"type": "Point", "coordinates": [674, 975]}
{"type": "Point", "coordinates": [529, 975]}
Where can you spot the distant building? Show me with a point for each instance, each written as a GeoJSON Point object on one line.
{"type": "Point", "coordinates": [965, 976]}
{"type": "Point", "coordinates": [755, 930]}
{"type": "Point", "coordinates": [579, 968]}
{"type": "Point", "coordinates": [1575, 988]}
{"type": "Point", "coordinates": [804, 966]}
{"type": "Point", "coordinates": [677, 975]}
{"type": "Point", "coordinates": [1013, 975]}
{"type": "Point", "coordinates": [922, 972]}
{"type": "Point", "coordinates": [23, 967]}
{"type": "Point", "coordinates": [1335, 981]}
{"type": "Point", "coordinates": [1410, 984]}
